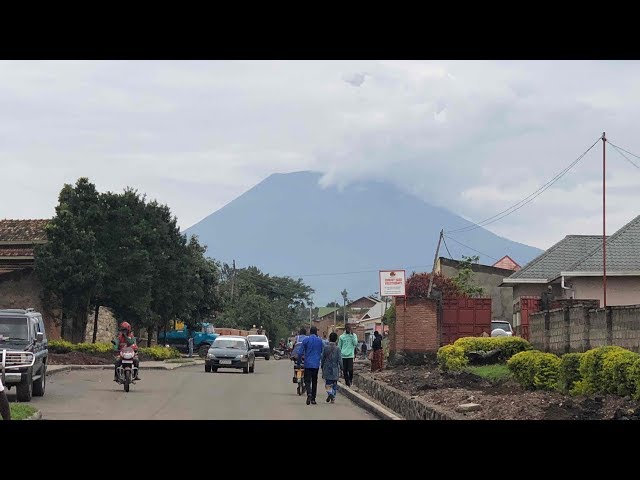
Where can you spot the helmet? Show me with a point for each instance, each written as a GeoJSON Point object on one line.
{"type": "Point", "coordinates": [125, 326]}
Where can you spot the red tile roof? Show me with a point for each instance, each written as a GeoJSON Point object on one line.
{"type": "Point", "coordinates": [23, 230]}
{"type": "Point", "coordinates": [508, 263]}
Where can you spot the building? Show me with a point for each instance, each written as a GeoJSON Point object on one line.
{"type": "Point", "coordinates": [507, 263]}
{"type": "Point", "coordinates": [326, 321]}
{"type": "Point", "coordinates": [573, 269]}
{"type": "Point", "coordinates": [489, 278]}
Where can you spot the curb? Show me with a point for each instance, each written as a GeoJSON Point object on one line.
{"type": "Point", "coordinates": [367, 404]}
{"type": "Point", "coordinates": [68, 368]}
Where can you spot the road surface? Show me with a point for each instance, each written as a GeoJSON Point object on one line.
{"type": "Point", "coordinates": [189, 393]}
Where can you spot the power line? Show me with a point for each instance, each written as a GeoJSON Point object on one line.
{"type": "Point", "coordinates": [445, 246]}
{"type": "Point", "coordinates": [517, 206]}
{"type": "Point", "coordinates": [471, 248]}
{"type": "Point", "coordinates": [617, 149]}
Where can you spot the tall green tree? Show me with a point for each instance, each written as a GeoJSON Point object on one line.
{"type": "Point", "coordinates": [464, 279]}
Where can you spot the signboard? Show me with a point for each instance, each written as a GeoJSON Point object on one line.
{"type": "Point", "coordinates": [392, 283]}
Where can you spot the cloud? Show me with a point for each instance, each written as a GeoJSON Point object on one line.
{"type": "Point", "coordinates": [474, 137]}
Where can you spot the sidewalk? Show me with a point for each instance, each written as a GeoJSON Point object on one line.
{"type": "Point", "coordinates": [152, 365]}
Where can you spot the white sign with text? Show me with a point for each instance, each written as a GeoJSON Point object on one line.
{"type": "Point", "coordinates": [392, 283]}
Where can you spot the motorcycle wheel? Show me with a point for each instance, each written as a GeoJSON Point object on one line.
{"type": "Point", "coordinates": [276, 356]}
{"type": "Point", "coordinates": [127, 380]}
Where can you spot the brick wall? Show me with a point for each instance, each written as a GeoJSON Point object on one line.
{"type": "Point", "coordinates": [416, 328]}
{"type": "Point", "coordinates": [625, 326]}
{"type": "Point", "coordinates": [579, 325]}
{"type": "Point", "coordinates": [537, 330]}
{"type": "Point", "coordinates": [324, 325]}
{"type": "Point", "coordinates": [598, 328]}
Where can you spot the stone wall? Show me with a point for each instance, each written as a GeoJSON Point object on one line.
{"type": "Point", "coordinates": [580, 328]}
{"type": "Point", "coordinates": [107, 326]}
{"type": "Point", "coordinates": [399, 402]}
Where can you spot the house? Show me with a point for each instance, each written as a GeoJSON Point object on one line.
{"type": "Point", "coordinates": [507, 263]}
{"type": "Point", "coordinates": [573, 269]}
{"type": "Point", "coordinates": [489, 278]}
{"type": "Point", "coordinates": [357, 308]}
{"type": "Point", "coordinates": [326, 321]}
{"type": "Point", "coordinates": [20, 286]}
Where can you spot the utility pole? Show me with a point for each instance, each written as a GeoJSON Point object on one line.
{"type": "Point", "coordinates": [604, 226]}
{"type": "Point", "coordinates": [233, 279]}
{"type": "Point", "coordinates": [310, 318]}
{"type": "Point", "coordinates": [435, 260]}
{"type": "Point", "coordinates": [335, 317]}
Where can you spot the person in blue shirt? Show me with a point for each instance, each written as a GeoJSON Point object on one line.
{"type": "Point", "coordinates": [312, 352]}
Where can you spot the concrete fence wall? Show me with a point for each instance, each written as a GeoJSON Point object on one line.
{"type": "Point", "coordinates": [579, 328]}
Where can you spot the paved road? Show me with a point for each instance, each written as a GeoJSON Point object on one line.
{"type": "Point", "coordinates": [188, 393]}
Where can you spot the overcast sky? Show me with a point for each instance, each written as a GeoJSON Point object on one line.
{"type": "Point", "coordinates": [472, 136]}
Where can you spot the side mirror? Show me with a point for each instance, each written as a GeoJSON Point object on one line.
{"type": "Point", "coordinates": [39, 337]}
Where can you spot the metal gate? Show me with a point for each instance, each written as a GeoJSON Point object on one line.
{"type": "Point", "coordinates": [465, 317]}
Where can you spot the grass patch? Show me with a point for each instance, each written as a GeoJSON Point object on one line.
{"type": "Point", "coordinates": [20, 411]}
{"type": "Point", "coordinates": [180, 360]}
{"type": "Point", "coordinates": [499, 371]}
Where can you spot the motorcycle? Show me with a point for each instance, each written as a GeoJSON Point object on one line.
{"type": "Point", "coordinates": [279, 353]}
{"type": "Point", "coordinates": [127, 372]}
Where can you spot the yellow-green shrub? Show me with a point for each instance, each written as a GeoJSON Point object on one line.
{"type": "Point", "coordinates": [158, 352]}
{"type": "Point", "coordinates": [591, 370]}
{"type": "Point", "coordinates": [634, 376]}
{"type": "Point", "coordinates": [535, 369]}
{"type": "Point", "coordinates": [616, 372]}
{"type": "Point", "coordinates": [508, 346]}
{"type": "Point", "coordinates": [60, 346]}
{"type": "Point", "coordinates": [569, 372]}
{"type": "Point", "coordinates": [93, 347]}
{"type": "Point", "coordinates": [452, 358]}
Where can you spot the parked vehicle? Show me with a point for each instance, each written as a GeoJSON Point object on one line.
{"type": "Point", "coordinates": [179, 339]}
{"type": "Point", "coordinates": [230, 351]}
{"type": "Point", "coordinates": [260, 345]}
{"type": "Point", "coordinates": [501, 328]}
{"type": "Point", "coordinates": [127, 372]}
{"type": "Point", "coordinates": [25, 352]}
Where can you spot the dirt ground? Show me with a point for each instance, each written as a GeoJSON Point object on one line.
{"type": "Point", "coordinates": [503, 400]}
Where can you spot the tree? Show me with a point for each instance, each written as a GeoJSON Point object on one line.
{"type": "Point", "coordinates": [464, 278]}
{"type": "Point", "coordinates": [70, 264]}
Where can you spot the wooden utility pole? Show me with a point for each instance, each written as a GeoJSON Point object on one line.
{"type": "Point", "coordinates": [233, 279]}
{"type": "Point", "coordinates": [604, 226]}
{"type": "Point", "coordinates": [435, 261]}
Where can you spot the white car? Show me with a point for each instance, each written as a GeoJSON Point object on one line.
{"type": "Point", "coordinates": [500, 328]}
{"type": "Point", "coordinates": [260, 345]}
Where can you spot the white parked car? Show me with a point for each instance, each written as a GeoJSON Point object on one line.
{"type": "Point", "coordinates": [500, 328]}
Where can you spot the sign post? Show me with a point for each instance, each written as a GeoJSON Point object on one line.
{"type": "Point", "coordinates": [392, 283]}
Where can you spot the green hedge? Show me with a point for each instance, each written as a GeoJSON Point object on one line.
{"type": "Point", "coordinates": [569, 371]}
{"type": "Point", "coordinates": [592, 375]}
{"type": "Point", "coordinates": [60, 346]}
{"type": "Point", "coordinates": [535, 370]}
{"type": "Point", "coordinates": [93, 347]}
{"type": "Point", "coordinates": [452, 358]}
{"type": "Point", "coordinates": [159, 353]}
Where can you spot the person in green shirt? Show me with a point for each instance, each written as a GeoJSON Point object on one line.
{"type": "Point", "coordinates": [347, 344]}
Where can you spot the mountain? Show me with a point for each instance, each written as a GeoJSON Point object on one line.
{"type": "Point", "coordinates": [289, 225]}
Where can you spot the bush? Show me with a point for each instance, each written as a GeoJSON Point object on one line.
{"type": "Point", "coordinates": [508, 346]}
{"type": "Point", "coordinates": [452, 358]}
{"type": "Point", "coordinates": [616, 372]}
{"type": "Point", "coordinates": [591, 370]}
{"type": "Point", "coordinates": [60, 346]}
{"type": "Point", "coordinates": [569, 372]}
{"type": "Point", "coordinates": [535, 370]}
{"type": "Point", "coordinates": [92, 348]}
{"type": "Point", "coordinates": [634, 376]}
{"type": "Point", "coordinates": [158, 352]}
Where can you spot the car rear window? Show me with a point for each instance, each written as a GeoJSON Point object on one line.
{"type": "Point", "coordinates": [503, 325]}
{"type": "Point", "coordinates": [229, 343]}
{"type": "Point", "coordinates": [257, 338]}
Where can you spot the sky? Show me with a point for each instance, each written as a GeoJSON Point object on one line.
{"type": "Point", "coordinates": [472, 136]}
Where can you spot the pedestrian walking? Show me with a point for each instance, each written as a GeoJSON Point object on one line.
{"type": "Point", "coordinates": [347, 344]}
{"type": "Point", "coordinates": [378, 353]}
{"type": "Point", "coordinates": [331, 365]}
{"type": "Point", "coordinates": [190, 341]}
{"type": "Point", "coordinates": [312, 352]}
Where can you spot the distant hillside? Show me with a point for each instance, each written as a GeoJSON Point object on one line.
{"type": "Point", "coordinates": [289, 225]}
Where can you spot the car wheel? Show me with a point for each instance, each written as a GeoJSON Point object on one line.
{"type": "Point", "coordinates": [214, 369]}
{"type": "Point", "coordinates": [245, 369]}
{"type": "Point", "coordinates": [252, 368]}
{"type": "Point", "coordinates": [267, 357]}
{"type": "Point", "coordinates": [24, 390]}
{"type": "Point", "coordinates": [207, 368]}
{"type": "Point", "coordinates": [40, 384]}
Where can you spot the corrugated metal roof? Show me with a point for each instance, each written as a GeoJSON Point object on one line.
{"type": "Point", "coordinates": [566, 252]}
{"type": "Point", "coordinates": [623, 252]}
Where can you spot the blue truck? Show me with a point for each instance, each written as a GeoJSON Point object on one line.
{"type": "Point", "coordinates": [179, 339]}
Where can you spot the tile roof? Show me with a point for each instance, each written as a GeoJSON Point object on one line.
{"type": "Point", "coordinates": [23, 230]}
{"type": "Point", "coordinates": [623, 252]}
{"type": "Point", "coordinates": [15, 251]}
{"type": "Point", "coordinates": [566, 252]}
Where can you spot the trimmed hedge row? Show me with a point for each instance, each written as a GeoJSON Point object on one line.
{"type": "Point", "coordinates": [456, 355]}
{"type": "Point", "coordinates": [607, 369]}
{"type": "Point", "coordinates": [156, 352]}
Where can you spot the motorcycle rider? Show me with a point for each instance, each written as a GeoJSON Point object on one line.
{"type": "Point", "coordinates": [125, 339]}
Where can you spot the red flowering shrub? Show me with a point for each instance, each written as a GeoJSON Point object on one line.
{"type": "Point", "coordinates": [418, 286]}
